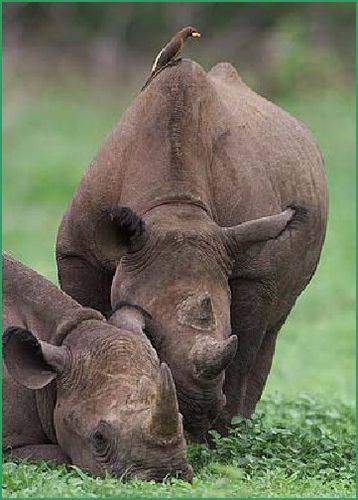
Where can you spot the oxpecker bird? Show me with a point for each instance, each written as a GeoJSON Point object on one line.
{"type": "Point", "coordinates": [171, 51]}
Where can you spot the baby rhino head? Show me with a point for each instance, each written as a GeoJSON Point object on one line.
{"type": "Point", "coordinates": [115, 409]}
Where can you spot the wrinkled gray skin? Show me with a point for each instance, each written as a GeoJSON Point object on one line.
{"type": "Point", "coordinates": [196, 155]}
{"type": "Point", "coordinates": [84, 391]}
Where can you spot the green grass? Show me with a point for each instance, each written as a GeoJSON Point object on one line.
{"type": "Point", "coordinates": [295, 447]}
{"type": "Point", "coordinates": [298, 449]}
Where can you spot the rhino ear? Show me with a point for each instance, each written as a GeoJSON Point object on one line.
{"type": "Point", "coordinates": [31, 362]}
{"type": "Point", "coordinates": [129, 224]}
{"type": "Point", "coordinates": [118, 232]}
{"type": "Point", "coordinates": [262, 229]}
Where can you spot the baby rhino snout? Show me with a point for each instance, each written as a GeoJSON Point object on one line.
{"type": "Point", "coordinates": [161, 473]}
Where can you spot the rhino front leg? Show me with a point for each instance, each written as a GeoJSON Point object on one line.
{"type": "Point", "coordinates": [261, 369]}
{"type": "Point", "coordinates": [89, 285]}
{"type": "Point", "coordinates": [250, 307]}
{"type": "Point", "coordinates": [38, 452]}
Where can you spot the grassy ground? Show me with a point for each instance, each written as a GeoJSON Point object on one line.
{"type": "Point", "coordinates": [299, 449]}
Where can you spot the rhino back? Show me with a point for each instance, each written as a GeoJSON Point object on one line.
{"type": "Point", "coordinates": [266, 159]}
{"type": "Point", "coordinates": [161, 148]}
{"type": "Point", "coordinates": [209, 139]}
{"type": "Point", "coordinates": [207, 136]}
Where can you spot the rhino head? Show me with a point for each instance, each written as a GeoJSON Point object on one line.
{"type": "Point", "coordinates": [176, 263]}
{"type": "Point", "coordinates": [115, 408]}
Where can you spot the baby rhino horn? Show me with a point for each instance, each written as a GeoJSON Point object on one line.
{"type": "Point", "coordinates": [164, 415]}
{"type": "Point", "coordinates": [210, 357]}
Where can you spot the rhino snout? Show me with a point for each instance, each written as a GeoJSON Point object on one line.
{"type": "Point", "coordinates": [185, 473]}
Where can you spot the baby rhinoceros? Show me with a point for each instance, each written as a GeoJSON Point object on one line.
{"type": "Point", "coordinates": [78, 389]}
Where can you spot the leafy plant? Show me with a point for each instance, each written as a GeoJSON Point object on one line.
{"type": "Point", "coordinates": [301, 447]}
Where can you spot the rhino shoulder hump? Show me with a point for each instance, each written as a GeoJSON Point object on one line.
{"type": "Point", "coordinates": [226, 72]}
{"type": "Point", "coordinates": [185, 74]}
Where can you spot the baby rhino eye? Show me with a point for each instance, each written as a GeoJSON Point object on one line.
{"type": "Point", "coordinates": [99, 438]}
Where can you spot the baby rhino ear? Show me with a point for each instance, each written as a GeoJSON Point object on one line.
{"type": "Point", "coordinates": [31, 362]}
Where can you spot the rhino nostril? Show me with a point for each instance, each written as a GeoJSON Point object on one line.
{"type": "Point", "coordinates": [122, 474]}
{"type": "Point", "coordinates": [206, 304]}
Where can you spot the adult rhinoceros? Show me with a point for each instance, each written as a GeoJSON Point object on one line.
{"type": "Point", "coordinates": [195, 156]}
{"type": "Point", "coordinates": [79, 390]}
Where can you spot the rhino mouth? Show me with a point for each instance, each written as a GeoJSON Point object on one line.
{"type": "Point", "coordinates": [158, 474]}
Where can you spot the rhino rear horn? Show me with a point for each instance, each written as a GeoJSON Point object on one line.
{"type": "Point", "coordinates": [129, 317]}
{"type": "Point", "coordinates": [164, 412]}
{"type": "Point", "coordinates": [211, 357]}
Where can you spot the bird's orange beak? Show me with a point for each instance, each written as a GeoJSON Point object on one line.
{"type": "Point", "coordinates": [196, 34]}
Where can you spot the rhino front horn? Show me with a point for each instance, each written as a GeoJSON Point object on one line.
{"type": "Point", "coordinates": [164, 415]}
{"type": "Point", "coordinates": [210, 357]}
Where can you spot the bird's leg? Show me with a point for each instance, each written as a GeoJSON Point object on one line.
{"type": "Point", "coordinates": [173, 62]}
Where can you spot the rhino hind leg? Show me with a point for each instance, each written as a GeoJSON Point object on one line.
{"type": "Point", "coordinates": [89, 285]}
{"type": "Point", "coordinates": [39, 452]}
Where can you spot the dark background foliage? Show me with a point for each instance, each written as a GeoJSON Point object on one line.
{"type": "Point", "coordinates": [281, 46]}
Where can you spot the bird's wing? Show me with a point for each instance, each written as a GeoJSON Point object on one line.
{"type": "Point", "coordinates": [155, 64]}
{"type": "Point", "coordinates": [167, 54]}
